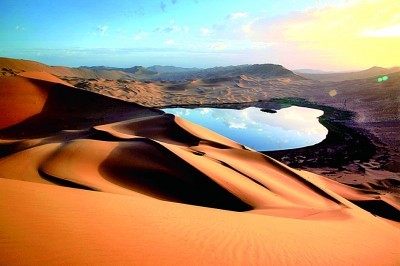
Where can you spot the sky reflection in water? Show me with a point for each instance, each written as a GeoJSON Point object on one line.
{"type": "Point", "coordinates": [289, 128]}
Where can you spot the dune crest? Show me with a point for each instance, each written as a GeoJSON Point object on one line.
{"type": "Point", "coordinates": [43, 76]}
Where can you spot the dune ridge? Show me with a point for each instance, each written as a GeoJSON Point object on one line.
{"type": "Point", "coordinates": [166, 191]}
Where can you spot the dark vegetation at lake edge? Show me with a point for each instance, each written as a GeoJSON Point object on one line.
{"type": "Point", "coordinates": [343, 144]}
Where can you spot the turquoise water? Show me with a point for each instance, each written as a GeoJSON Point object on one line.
{"type": "Point", "coordinates": [289, 128]}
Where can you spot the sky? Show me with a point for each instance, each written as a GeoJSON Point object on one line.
{"type": "Point", "coordinates": [335, 35]}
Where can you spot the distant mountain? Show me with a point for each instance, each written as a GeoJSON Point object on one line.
{"type": "Point", "coordinates": [99, 68]}
{"type": "Point", "coordinates": [258, 70]}
{"type": "Point", "coordinates": [311, 71]}
{"type": "Point", "coordinates": [368, 73]}
{"type": "Point", "coordinates": [138, 71]}
{"type": "Point", "coordinates": [171, 69]}
{"type": "Point", "coordinates": [10, 66]}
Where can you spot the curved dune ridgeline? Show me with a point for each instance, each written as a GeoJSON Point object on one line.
{"type": "Point", "coordinates": [87, 179]}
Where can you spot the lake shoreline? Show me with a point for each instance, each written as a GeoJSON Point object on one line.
{"type": "Point", "coordinates": [258, 129]}
{"type": "Point", "coordinates": [345, 155]}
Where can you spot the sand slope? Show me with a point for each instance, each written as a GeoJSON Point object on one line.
{"type": "Point", "coordinates": [166, 191]}
{"type": "Point", "coordinates": [37, 103]}
{"type": "Point", "coordinates": [71, 226]}
{"type": "Point", "coordinates": [10, 67]}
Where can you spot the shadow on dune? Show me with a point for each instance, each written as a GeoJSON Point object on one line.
{"type": "Point", "coordinates": [62, 182]}
{"type": "Point", "coordinates": [70, 108]}
{"type": "Point", "coordinates": [380, 208]}
{"type": "Point", "coordinates": [146, 167]}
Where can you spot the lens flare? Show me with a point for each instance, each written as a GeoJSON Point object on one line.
{"type": "Point", "coordinates": [384, 78]}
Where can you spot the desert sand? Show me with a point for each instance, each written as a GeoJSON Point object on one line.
{"type": "Point", "coordinates": [374, 106]}
{"type": "Point", "coordinates": [90, 179]}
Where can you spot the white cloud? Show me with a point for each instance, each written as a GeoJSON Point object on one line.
{"type": "Point", "coordinates": [172, 29]}
{"type": "Point", "coordinates": [170, 42]}
{"type": "Point", "coordinates": [102, 28]}
{"type": "Point", "coordinates": [205, 31]}
{"type": "Point", "coordinates": [261, 45]}
{"type": "Point", "coordinates": [237, 15]}
{"type": "Point", "coordinates": [395, 18]}
{"type": "Point", "coordinates": [391, 31]}
{"type": "Point", "coordinates": [19, 28]}
{"type": "Point", "coordinates": [140, 35]}
{"type": "Point", "coordinates": [218, 46]}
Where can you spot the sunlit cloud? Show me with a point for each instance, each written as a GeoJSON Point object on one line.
{"type": "Point", "coordinates": [170, 42]}
{"type": "Point", "coordinates": [261, 45]}
{"type": "Point", "coordinates": [391, 31]}
{"type": "Point", "coordinates": [237, 15]}
{"type": "Point", "coordinates": [328, 35]}
{"type": "Point", "coordinates": [218, 46]}
{"type": "Point", "coordinates": [205, 31]}
{"type": "Point", "coordinates": [339, 36]}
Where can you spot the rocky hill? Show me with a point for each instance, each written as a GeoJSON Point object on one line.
{"type": "Point", "coordinates": [368, 73]}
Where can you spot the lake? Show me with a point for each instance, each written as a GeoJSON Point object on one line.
{"type": "Point", "coordinates": [288, 128]}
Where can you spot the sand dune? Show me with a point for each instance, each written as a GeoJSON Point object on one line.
{"type": "Point", "coordinates": [160, 94]}
{"type": "Point", "coordinates": [20, 99]}
{"type": "Point", "coordinates": [10, 67]}
{"type": "Point", "coordinates": [44, 103]}
{"type": "Point", "coordinates": [166, 191]}
{"type": "Point", "coordinates": [72, 226]}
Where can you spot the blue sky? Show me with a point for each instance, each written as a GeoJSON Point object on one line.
{"type": "Point", "coordinates": [197, 33]}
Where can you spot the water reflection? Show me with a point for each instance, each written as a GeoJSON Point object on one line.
{"type": "Point", "coordinates": [289, 128]}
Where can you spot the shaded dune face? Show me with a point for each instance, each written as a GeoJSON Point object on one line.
{"type": "Point", "coordinates": [134, 160]}
{"type": "Point", "coordinates": [41, 106]}
{"type": "Point", "coordinates": [89, 141]}
{"type": "Point", "coordinates": [148, 168]}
